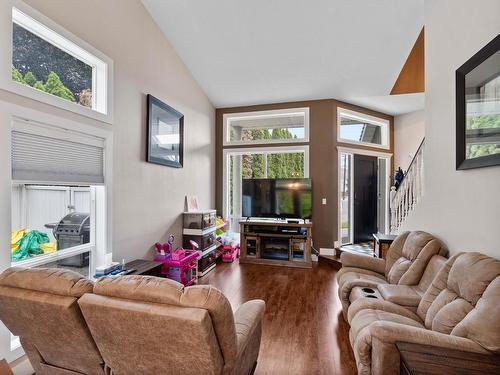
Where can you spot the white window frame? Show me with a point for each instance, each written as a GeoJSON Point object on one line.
{"type": "Point", "coordinates": [75, 250]}
{"type": "Point", "coordinates": [385, 135]}
{"type": "Point", "coordinates": [227, 117]}
{"type": "Point", "coordinates": [352, 151]}
{"type": "Point", "coordinates": [35, 22]}
{"type": "Point", "coordinates": [256, 150]}
{"type": "Point", "coordinates": [12, 113]}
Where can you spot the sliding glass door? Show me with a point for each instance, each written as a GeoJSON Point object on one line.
{"type": "Point", "coordinates": [345, 192]}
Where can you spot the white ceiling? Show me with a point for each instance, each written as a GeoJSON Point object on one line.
{"type": "Point", "coordinates": [269, 51]}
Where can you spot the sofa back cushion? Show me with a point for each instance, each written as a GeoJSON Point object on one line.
{"type": "Point", "coordinates": [433, 267]}
{"type": "Point", "coordinates": [464, 298]}
{"type": "Point", "coordinates": [408, 256]}
{"type": "Point", "coordinates": [134, 309]}
{"type": "Point", "coordinates": [40, 306]}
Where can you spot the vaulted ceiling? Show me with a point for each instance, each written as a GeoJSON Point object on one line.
{"type": "Point", "coordinates": [267, 51]}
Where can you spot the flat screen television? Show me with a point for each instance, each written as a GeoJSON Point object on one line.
{"type": "Point", "coordinates": [287, 198]}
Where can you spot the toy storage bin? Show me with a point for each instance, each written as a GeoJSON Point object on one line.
{"type": "Point", "coordinates": [199, 220]}
{"type": "Point", "coordinates": [230, 253]}
{"type": "Point", "coordinates": [182, 270]}
{"type": "Point", "coordinates": [204, 241]}
{"type": "Point", "coordinates": [207, 261]}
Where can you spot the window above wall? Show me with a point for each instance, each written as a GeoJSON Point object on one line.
{"type": "Point", "coordinates": [276, 126]}
{"type": "Point", "coordinates": [359, 128]}
{"type": "Point", "coordinates": [49, 64]}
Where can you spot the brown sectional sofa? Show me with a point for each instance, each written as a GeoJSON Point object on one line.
{"type": "Point", "coordinates": [412, 260]}
{"type": "Point", "coordinates": [459, 310]}
{"type": "Point", "coordinates": [129, 325]}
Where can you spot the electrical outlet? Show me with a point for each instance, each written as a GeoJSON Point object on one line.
{"type": "Point", "coordinates": [323, 201]}
{"type": "Point", "coordinates": [336, 244]}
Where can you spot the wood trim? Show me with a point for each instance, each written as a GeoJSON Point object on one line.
{"type": "Point", "coordinates": [411, 79]}
{"type": "Point", "coordinates": [433, 360]}
{"type": "Point", "coordinates": [323, 157]}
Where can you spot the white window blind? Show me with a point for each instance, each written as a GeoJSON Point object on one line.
{"type": "Point", "coordinates": [56, 158]}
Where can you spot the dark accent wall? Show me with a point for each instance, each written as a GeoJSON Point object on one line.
{"type": "Point", "coordinates": [323, 155]}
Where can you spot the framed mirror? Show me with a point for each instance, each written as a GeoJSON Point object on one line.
{"type": "Point", "coordinates": [165, 134]}
{"type": "Point", "coordinates": [478, 109]}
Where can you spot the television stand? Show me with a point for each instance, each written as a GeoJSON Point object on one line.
{"type": "Point", "coordinates": [276, 242]}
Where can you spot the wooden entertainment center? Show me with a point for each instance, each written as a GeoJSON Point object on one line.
{"type": "Point", "coordinates": [276, 242]}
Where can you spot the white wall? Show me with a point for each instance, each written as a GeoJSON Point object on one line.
{"type": "Point", "coordinates": [147, 199]}
{"type": "Point", "coordinates": [461, 207]}
{"type": "Point", "coordinates": [409, 130]}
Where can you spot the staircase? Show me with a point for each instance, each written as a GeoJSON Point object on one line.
{"type": "Point", "coordinates": [410, 191]}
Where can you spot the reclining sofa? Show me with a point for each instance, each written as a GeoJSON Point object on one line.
{"type": "Point", "coordinates": [127, 325]}
{"type": "Point", "coordinates": [412, 261]}
{"type": "Point", "coordinates": [459, 311]}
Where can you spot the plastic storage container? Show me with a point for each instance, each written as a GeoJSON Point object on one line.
{"type": "Point", "coordinates": [205, 241]}
{"type": "Point", "coordinates": [201, 220]}
{"type": "Point", "coordinates": [206, 262]}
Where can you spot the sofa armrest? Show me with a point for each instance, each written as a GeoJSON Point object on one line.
{"type": "Point", "coordinates": [363, 261]}
{"type": "Point", "coordinates": [391, 333]}
{"type": "Point", "coordinates": [246, 319]}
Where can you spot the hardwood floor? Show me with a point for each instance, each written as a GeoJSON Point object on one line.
{"type": "Point", "coordinates": [303, 328]}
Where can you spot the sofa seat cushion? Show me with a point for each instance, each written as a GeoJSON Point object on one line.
{"type": "Point", "coordinates": [403, 295]}
{"type": "Point", "coordinates": [368, 316]}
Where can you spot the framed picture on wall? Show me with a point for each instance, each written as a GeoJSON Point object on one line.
{"type": "Point", "coordinates": [165, 134]}
{"type": "Point", "coordinates": [478, 109]}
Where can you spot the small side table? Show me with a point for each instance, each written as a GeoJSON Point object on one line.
{"type": "Point", "coordinates": [144, 267]}
{"type": "Point", "coordinates": [381, 244]}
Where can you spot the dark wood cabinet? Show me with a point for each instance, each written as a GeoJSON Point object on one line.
{"type": "Point", "coordinates": [381, 244]}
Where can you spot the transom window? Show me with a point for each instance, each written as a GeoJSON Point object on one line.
{"type": "Point", "coordinates": [277, 126]}
{"type": "Point", "coordinates": [358, 128]}
{"type": "Point", "coordinates": [49, 64]}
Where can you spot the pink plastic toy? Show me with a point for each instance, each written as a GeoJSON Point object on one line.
{"type": "Point", "coordinates": [166, 248]}
{"type": "Point", "coordinates": [179, 265]}
{"type": "Point", "coordinates": [230, 253]}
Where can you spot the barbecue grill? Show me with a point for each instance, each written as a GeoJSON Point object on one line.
{"type": "Point", "coordinates": [72, 230]}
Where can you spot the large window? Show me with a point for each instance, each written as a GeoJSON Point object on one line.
{"type": "Point", "coordinates": [358, 128]}
{"type": "Point", "coordinates": [58, 203]}
{"type": "Point", "coordinates": [53, 226]}
{"type": "Point", "coordinates": [270, 162]}
{"type": "Point", "coordinates": [49, 64]}
{"type": "Point", "coordinates": [279, 126]}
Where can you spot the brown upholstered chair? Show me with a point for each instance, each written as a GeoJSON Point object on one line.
{"type": "Point", "coordinates": [147, 325]}
{"type": "Point", "coordinates": [40, 306]}
{"type": "Point", "coordinates": [459, 310]}
{"type": "Point", "coordinates": [407, 260]}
